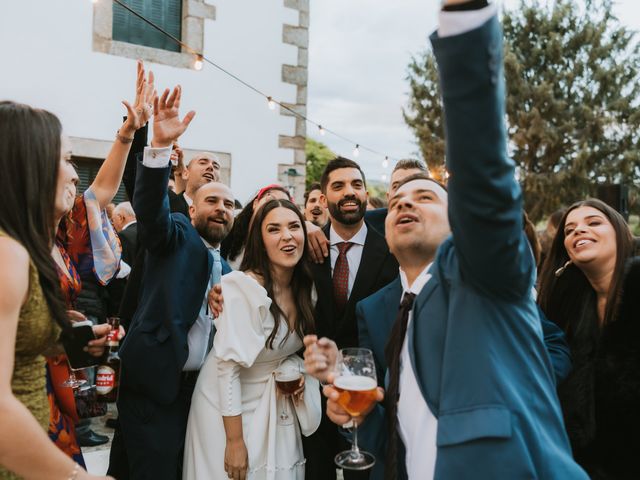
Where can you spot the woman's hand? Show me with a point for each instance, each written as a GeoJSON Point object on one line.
{"type": "Point", "coordinates": [298, 395]}
{"type": "Point", "coordinates": [236, 459]}
{"type": "Point", "coordinates": [140, 113]}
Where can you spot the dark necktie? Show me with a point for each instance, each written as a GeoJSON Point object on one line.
{"type": "Point", "coordinates": [341, 276]}
{"type": "Point", "coordinates": [392, 354]}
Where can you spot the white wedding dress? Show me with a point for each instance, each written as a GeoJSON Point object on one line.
{"type": "Point", "coordinates": [237, 379]}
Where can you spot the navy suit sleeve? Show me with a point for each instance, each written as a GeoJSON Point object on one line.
{"type": "Point", "coordinates": [135, 153]}
{"type": "Point", "coordinates": [485, 200]}
{"type": "Point", "coordinates": [557, 348]}
{"type": "Point", "coordinates": [157, 230]}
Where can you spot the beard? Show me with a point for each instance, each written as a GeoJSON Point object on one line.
{"type": "Point", "coordinates": [347, 218]}
{"type": "Point", "coordinates": [213, 233]}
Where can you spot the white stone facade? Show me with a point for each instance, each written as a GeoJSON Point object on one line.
{"type": "Point", "coordinates": [59, 55]}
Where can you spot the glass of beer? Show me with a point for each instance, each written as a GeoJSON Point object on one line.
{"type": "Point", "coordinates": [288, 379]}
{"type": "Point", "coordinates": [356, 382]}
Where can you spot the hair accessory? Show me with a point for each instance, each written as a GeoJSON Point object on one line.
{"type": "Point", "coordinates": [264, 190]}
{"type": "Point", "coordinates": [561, 270]}
{"type": "Point", "coordinates": [123, 139]}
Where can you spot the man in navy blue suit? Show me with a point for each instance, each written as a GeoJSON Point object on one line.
{"type": "Point", "coordinates": [470, 387]}
{"type": "Point", "coordinates": [172, 329]}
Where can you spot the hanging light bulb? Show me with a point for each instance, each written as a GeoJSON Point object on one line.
{"type": "Point", "coordinates": [356, 151]}
{"type": "Point", "coordinates": [198, 63]}
{"type": "Point", "coordinates": [271, 103]}
{"type": "Point", "coordinates": [321, 130]}
{"type": "Point", "coordinates": [384, 177]}
{"type": "Point", "coordinates": [385, 162]}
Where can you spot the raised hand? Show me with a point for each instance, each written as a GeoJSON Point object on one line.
{"type": "Point", "coordinates": [140, 113]}
{"type": "Point", "coordinates": [167, 126]}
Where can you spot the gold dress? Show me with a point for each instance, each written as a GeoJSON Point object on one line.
{"type": "Point", "coordinates": [37, 332]}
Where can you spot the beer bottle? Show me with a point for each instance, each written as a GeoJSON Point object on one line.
{"type": "Point", "coordinates": [108, 374]}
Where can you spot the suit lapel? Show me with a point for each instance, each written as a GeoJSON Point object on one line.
{"type": "Point", "coordinates": [374, 254]}
{"type": "Point", "coordinates": [325, 309]}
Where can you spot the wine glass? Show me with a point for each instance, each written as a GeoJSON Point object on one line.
{"type": "Point", "coordinates": [355, 380]}
{"type": "Point", "coordinates": [73, 381]}
{"type": "Point", "coordinates": [288, 379]}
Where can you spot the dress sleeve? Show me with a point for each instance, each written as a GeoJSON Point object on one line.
{"type": "Point", "coordinates": [90, 240]}
{"type": "Point", "coordinates": [240, 335]}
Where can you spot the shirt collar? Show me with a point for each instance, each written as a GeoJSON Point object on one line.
{"type": "Point", "coordinates": [130, 223]}
{"type": "Point", "coordinates": [418, 283]}
{"type": "Point", "coordinates": [208, 245]}
{"type": "Point", "coordinates": [359, 238]}
{"type": "Point", "coordinates": [187, 198]}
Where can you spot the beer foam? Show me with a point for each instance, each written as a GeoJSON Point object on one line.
{"type": "Point", "coordinates": [287, 376]}
{"type": "Point", "coordinates": [356, 383]}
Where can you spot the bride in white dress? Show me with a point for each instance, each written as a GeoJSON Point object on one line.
{"type": "Point", "coordinates": [234, 430]}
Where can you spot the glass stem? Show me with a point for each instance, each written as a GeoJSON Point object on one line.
{"type": "Point", "coordinates": [354, 446]}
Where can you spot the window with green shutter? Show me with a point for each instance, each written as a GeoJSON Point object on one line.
{"type": "Point", "coordinates": [167, 14]}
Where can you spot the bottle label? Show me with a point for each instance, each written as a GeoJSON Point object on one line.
{"type": "Point", "coordinates": [105, 379]}
{"type": "Point", "coordinates": [112, 338]}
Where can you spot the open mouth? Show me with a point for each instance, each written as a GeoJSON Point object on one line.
{"type": "Point", "coordinates": [581, 242]}
{"type": "Point", "coordinates": [349, 205]}
{"type": "Point", "coordinates": [289, 248]}
{"type": "Point", "coordinates": [218, 220]}
{"type": "Point", "coordinates": [406, 219]}
{"type": "Point", "coordinates": [208, 176]}
{"type": "Point", "coordinates": [316, 211]}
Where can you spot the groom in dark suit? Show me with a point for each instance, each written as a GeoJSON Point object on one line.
{"type": "Point", "coordinates": [359, 263]}
{"type": "Point", "coordinates": [172, 329]}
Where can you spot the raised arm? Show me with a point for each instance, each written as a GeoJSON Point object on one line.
{"type": "Point", "coordinates": [107, 181]}
{"type": "Point", "coordinates": [485, 201]}
{"type": "Point", "coordinates": [150, 201]}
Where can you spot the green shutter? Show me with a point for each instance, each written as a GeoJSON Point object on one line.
{"type": "Point", "coordinates": [167, 14]}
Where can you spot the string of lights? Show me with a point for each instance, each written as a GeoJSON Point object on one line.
{"type": "Point", "coordinates": [200, 59]}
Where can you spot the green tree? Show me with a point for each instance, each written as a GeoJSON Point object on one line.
{"type": "Point", "coordinates": [318, 155]}
{"type": "Point", "coordinates": [572, 81]}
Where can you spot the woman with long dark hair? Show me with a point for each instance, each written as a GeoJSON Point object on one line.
{"type": "Point", "coordinates": [238, 424]}
{"type": "Point", "coordinates": [32, 313]}
{"type": "Point", "coordinates": [590, 287]}
{"type": "Point", "coordinates": [86, 251]}
{"type": "Point", "coordinates": [232, 248]}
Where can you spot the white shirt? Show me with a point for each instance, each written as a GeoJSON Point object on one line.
{"type": "Point", "coordinates": [354, 254]}
{"type": "Point", "coordinates": [198, 336]}
{"type": "Point", "coordinates": [130, 223]}
{"type": "Point", "coordinates": [417, 425]}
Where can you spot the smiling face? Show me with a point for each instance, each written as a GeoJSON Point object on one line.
{"type": "Point", "coordinates": [346, 196]}
{"type": "Point", "coordinates": [202, 169]}
{"type": "Point", "coordinates": [67, 181]}
{"type": "Point", "coordinates": [589, 238]}
{"type": "Point", "coordinates": [314, 212]}
{"type": "Point", "coordinates": [417, 221]}
{"type": "Point", "coordinates": [283, 237]}
{"type": "Point", "coordinates": [212, 212]}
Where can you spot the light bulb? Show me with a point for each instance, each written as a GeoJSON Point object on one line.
{"type": "Point", "coordinates": [321, 130]}
{"type": "Point", "coordinates": [198, 64]}
{"type": "Point", "coordinates": [385, 162]}
{"type": "Point", "coordinates": [356, 151]}
{"type": "Point", "coordinates": [271, 103]}
{"type": "Point", "coordinates": [384, 177]}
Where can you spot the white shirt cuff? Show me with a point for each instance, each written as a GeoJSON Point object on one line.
{"type": "Point", "coordinates": [156, 157]}
{"type": "Point", "coordinates": [457, 23]}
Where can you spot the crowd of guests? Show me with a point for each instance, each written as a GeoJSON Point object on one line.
{"type": "Point", "coordinates": [498, 354]}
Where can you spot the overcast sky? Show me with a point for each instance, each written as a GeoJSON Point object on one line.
{"type": "Point", "coordinates": [358, 56]}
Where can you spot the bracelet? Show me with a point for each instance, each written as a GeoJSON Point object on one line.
{"type": "Point", "coordinates": [122, 138]}
{"type": "Point", "coordinates": [74, 472]}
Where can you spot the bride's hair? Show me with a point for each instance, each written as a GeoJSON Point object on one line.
{"type": "Point", "coordinates": [257, 260]}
